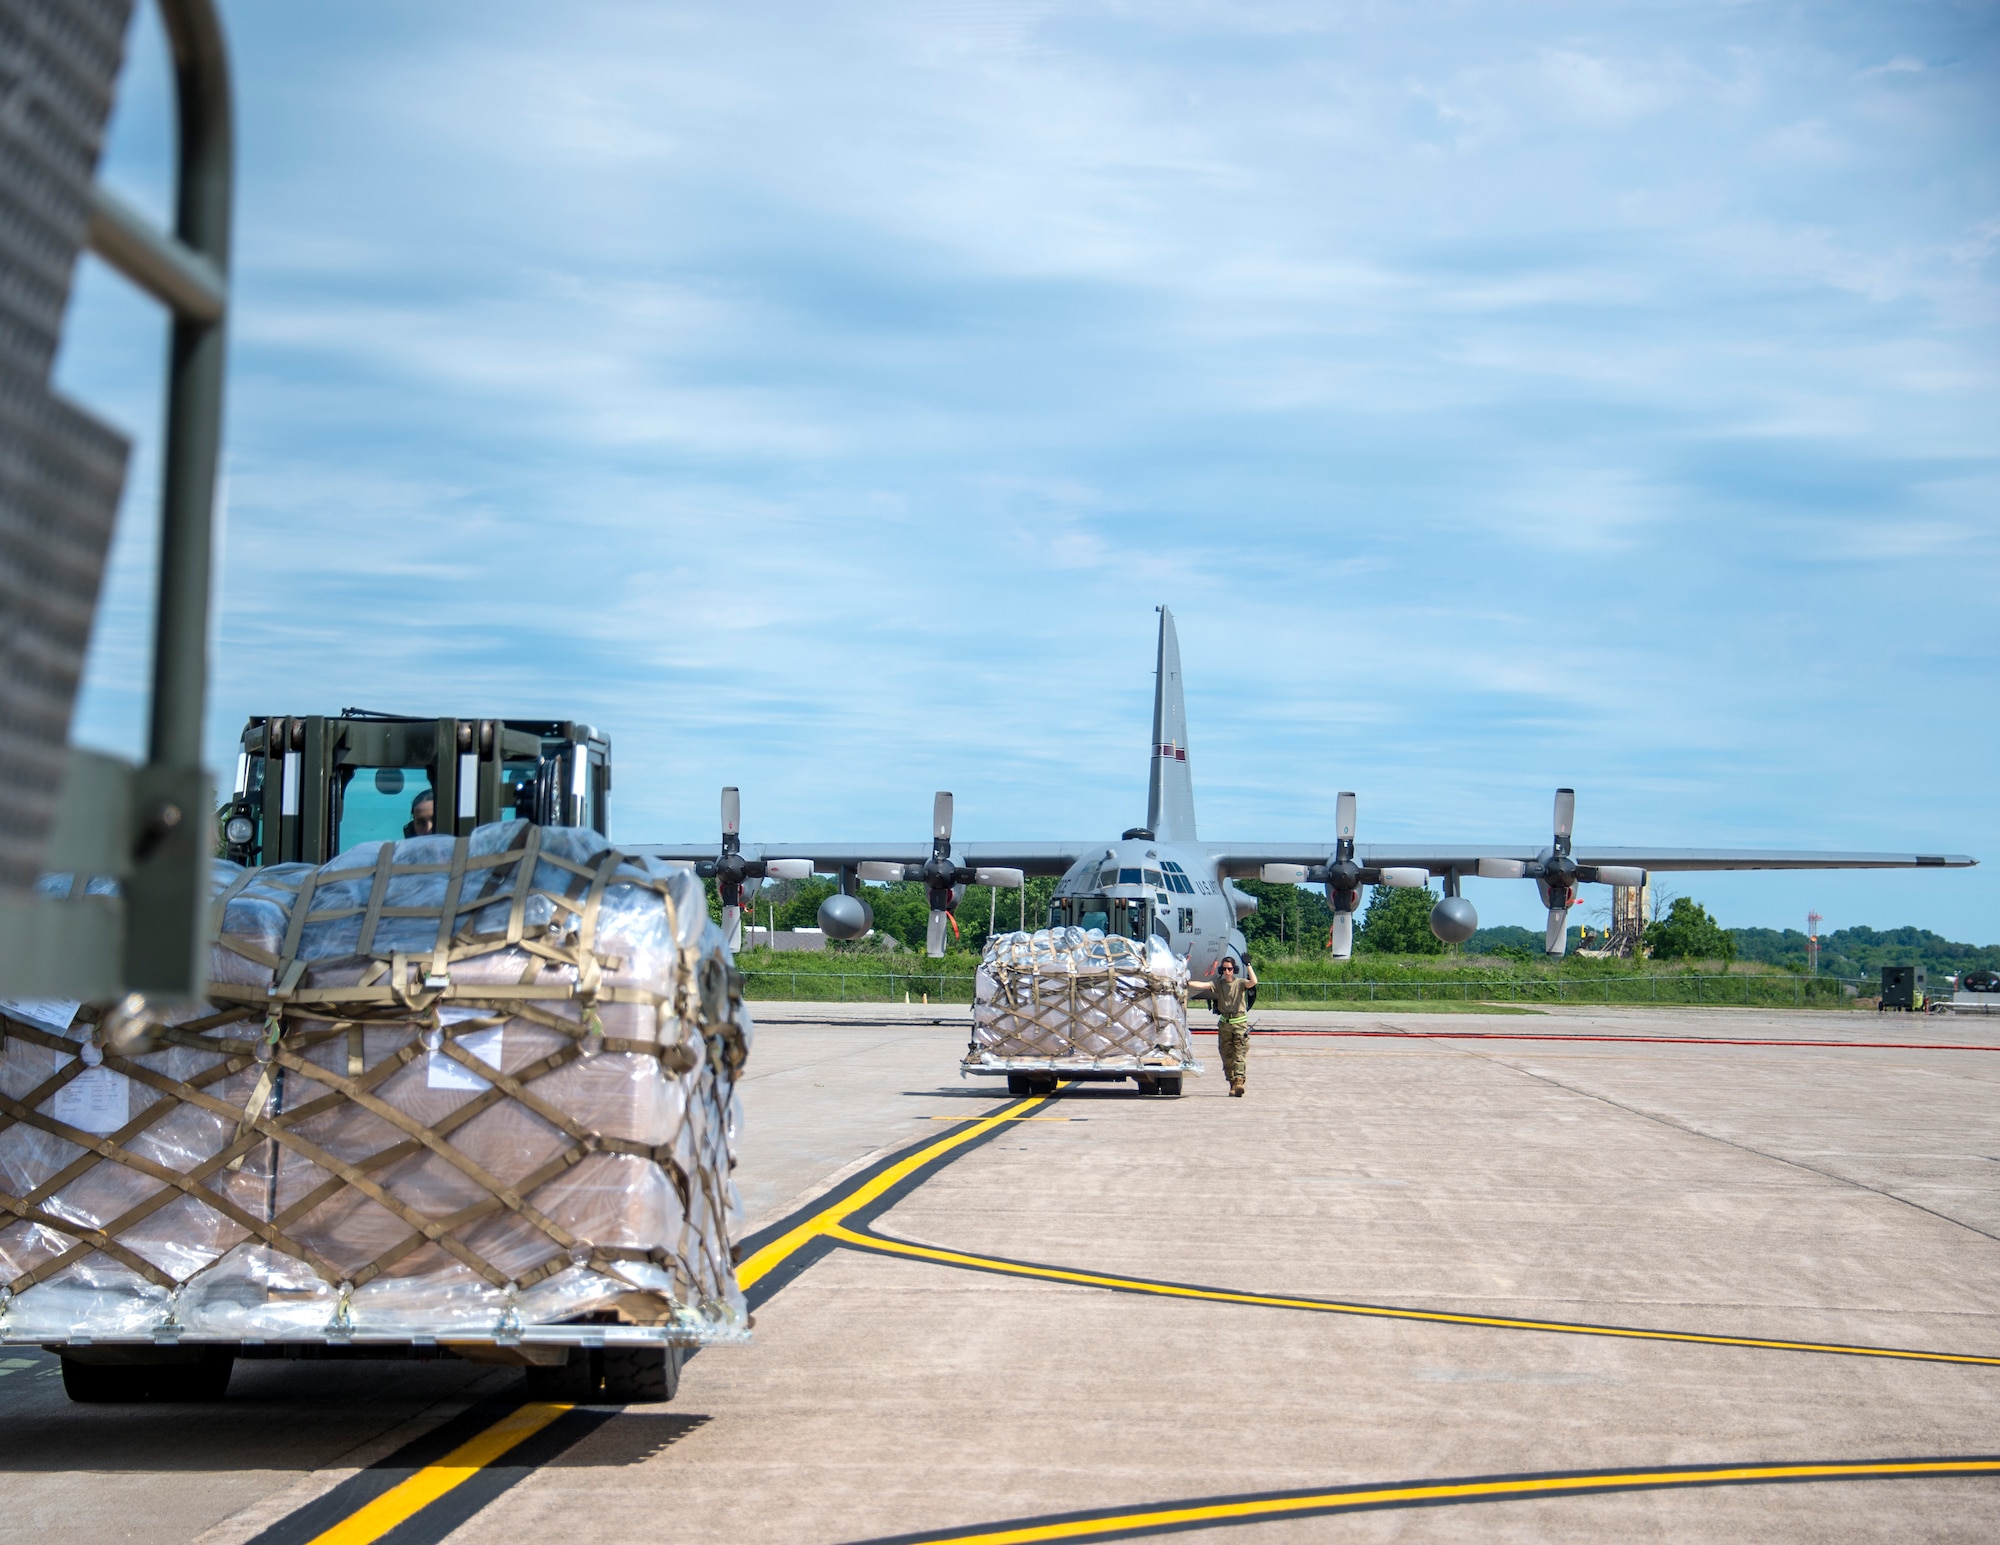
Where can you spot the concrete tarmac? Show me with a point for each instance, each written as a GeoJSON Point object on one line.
{"type": "Point", "coordinates": [1466, 1185]}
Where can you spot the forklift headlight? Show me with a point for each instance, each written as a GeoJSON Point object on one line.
{"type": "Point", "coordinates": [239, 830]}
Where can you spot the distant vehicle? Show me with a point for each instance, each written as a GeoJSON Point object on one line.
{"type": "Point", "coordinates": [311, 787]}
{"type": "Point", "coordinates": [1903, 987]}
{"type": "Point", "coordinates": [1160, 880]}
{"type": "Point", "coordinates": [1973, 992]}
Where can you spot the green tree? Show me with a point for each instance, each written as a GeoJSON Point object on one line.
{"type": "Point", "coordinates": [1289, 920]}
{"type": "Point", "coordinates": [1687, 932]}
{"type": "Point", "coordinates": [903, 910]}
{"type": "Point", "coordinates": [1398, 922]}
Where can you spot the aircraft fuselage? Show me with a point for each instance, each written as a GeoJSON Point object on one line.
{"type": "Point", "coordinates": [1141, 888]}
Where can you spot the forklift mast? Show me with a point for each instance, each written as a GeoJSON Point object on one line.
{"type": "Point", "coordinates": [310, 787]}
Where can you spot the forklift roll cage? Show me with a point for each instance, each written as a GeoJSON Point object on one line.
{"type": "Point", "coordinates": [143, 826]}
{"type": "Point", "coordinates": [307, 788]}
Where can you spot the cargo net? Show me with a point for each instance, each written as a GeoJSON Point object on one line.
{"type": "Point", "coordinates": [443, 1086]}
{"type": "Point", "coordinates": [1066, 998]}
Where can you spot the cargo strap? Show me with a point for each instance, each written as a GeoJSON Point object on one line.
{"type": "Point", "coordinates": [282, 1026]}
{"type": "Point", "coordinates": [1032, 1004]}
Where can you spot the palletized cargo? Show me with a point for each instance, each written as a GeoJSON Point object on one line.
{"type": "Point", "coordinates": [1063, 1003]}
{"type": "Point", "coordinates": [476, 1091]}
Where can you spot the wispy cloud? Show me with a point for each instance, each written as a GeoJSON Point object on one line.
{"type": "Point", "coordinates": [819, 399]}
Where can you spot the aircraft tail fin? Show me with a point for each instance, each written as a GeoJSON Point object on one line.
{"type": "Point", "coordinates": [1170, 791]}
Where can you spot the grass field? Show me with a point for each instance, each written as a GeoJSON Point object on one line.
{"type": "Point", "coordinates": [1380, 981]}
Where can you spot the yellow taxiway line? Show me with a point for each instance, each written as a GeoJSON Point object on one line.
{"type": "Point", "coordinates": [1198, 1515]}
{"type": "Point", "coordinates": [831, 1218]}
{"type": "Point", "coordinates": [884, 1245]}
{"type": "Point", "coordinates": [405, 1500]}
{"type": "Point", "coordinates": [411, 1496]}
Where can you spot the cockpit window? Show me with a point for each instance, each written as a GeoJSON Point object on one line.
{"type": "Point", "coordinates": [1129, 877]}
{"type": "Point", "coordinates": [1153, 879]}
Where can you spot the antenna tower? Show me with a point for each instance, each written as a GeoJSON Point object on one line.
{"type": "Point", "coordinates": [1813, 920]}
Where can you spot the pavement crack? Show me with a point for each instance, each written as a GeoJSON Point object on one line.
{"type": "Point", "coordinates": [1727, 1142]}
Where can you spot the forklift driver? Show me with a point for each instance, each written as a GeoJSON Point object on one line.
{"type": "Point", "coordinates": [423, 815]}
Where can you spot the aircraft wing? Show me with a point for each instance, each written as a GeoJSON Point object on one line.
{"type": "Point", "coordinates": [1243, 861]}
{"type": "Point", "coordinates": [1030, 858]}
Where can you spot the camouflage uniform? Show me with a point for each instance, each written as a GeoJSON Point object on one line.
{"type": "Point", "coordinates": [1232, 1024]}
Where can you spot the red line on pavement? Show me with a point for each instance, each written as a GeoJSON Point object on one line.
{"type": "Point", "coordinates": [1655, 1040]}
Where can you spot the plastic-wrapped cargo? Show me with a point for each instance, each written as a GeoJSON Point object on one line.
{"type": "Point", "coordinates": [470, 1089]}
{"type": "Point", "coordinates": [1076, 1002]}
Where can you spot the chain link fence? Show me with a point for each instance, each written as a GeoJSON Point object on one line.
{"type": "Point", "coordinates": [1754, 989]}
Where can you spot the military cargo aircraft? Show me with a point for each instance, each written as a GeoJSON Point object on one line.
{"type": "Point", "coordinates": [1161, 880]}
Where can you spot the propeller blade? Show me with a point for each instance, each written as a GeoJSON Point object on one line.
{"type": "Point", "coordinates": [934, 934]}
{"type": "Point", "coordinates": [941, 815]}
{"type": "Point", "coordinates": [732, 812]}
{"type": "Point", "coordinates": [872, 869]}
{"type": "Point", "coordinates": [1405, 879]}
{"type": "Point", "coordinates": [1343, 817]}
{"type": "Point", "coordinates": [1565, 812]}
{"type": "Point", "coordinates": [1342, 947]}
{"type": "Point", "coordinates": [789, 868]}
{"type": "Point", "coordinates": [999, 879]}
{"type": "Point", "coordinates": [1283, 874]}
{"type": "Point", "coordinates": [1618, 874]}
{"type": "Point", "coordinates": [1558, 936]}
{"type": "Point", "coordinates": [1502, 869]}
{"type": "Point", "coordinates": [732, 928]}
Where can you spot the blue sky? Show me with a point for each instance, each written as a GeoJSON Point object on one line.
{"type": "Point", "coordinates": [820, 399]}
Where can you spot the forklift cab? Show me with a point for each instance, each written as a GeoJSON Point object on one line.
{"type": "Point", "coordinates": [1127, 916]}
{"type": "Point", "coordinates": [313, 787]}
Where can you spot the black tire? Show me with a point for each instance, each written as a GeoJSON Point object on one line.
{"type": "Point", "coordinates": [202, 1379]}
{"type": "Point", "coordinates": [641, 1375]}
{"type": "Point", "coordinates": [1148, 1085]}
{"type": "Point", "coordinates": [572, 1383]}
{"type": "Point", "coordinates": [1044, 1085]}
{"type": "Point", "coordinates": [206, 1380]}
{"type": "Point", "coordinates": [1020, 1085]}
{"type": "Point", "coordinates": [97, 1384]}
{"type": "Point", "coordinates": [1170, 1086]}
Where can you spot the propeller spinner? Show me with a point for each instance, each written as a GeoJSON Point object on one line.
{"type": "Point", "coordinates": [1452, 919]}
{"type": "Point", "coordinates": [1556, 874]}
{"type": "Point", "coordinates": [944, 878]}
{"type": "Point", "coordinates": [737, 878]}
{"type": "Point", "coordinates": [1343, 878]}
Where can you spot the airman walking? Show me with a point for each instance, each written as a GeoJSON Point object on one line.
{"type": "Point", "coordinates": [1231, 998]}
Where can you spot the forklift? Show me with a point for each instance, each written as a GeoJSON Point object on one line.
{"type": "Point", "coordinates": [310, 787]}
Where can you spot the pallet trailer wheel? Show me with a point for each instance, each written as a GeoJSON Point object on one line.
{"type": "Point", "coordinates": [1147, 1084]}
{"type": "Point", "coordinates": [641, 1375]}
{"type": "Point", "coordinates": [94, 1384]}
{"type": "Point", "coordinates": [571, 1383]}
{"type": "Point", "coordinates": [1169, 1085]}
{"type": "Point", "coordinates": [202, 1379]}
